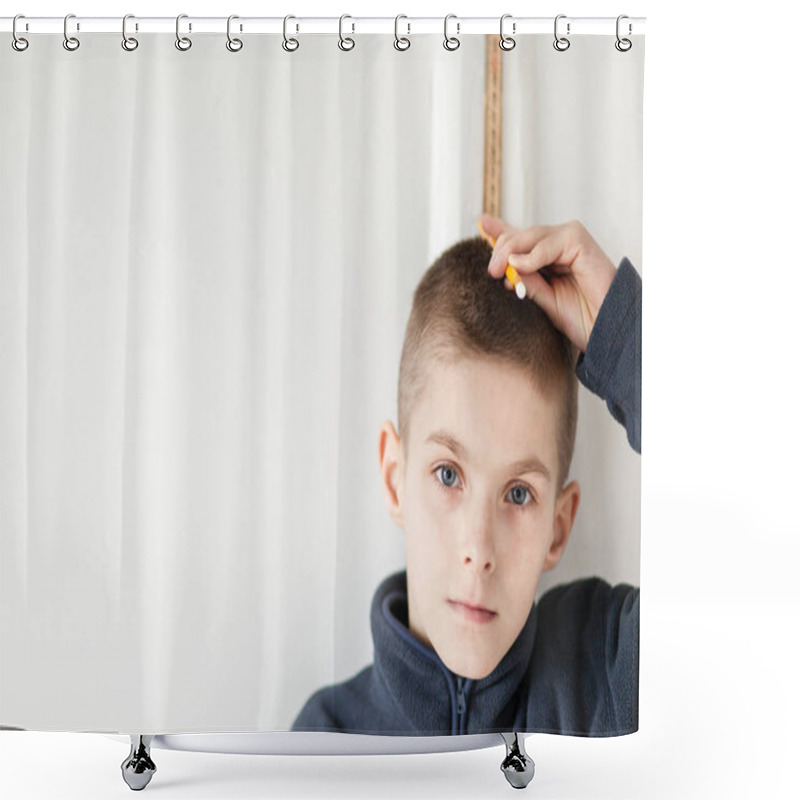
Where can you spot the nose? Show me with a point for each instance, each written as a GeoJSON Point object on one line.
{"type": "Point", "coordinates": [477, 548]}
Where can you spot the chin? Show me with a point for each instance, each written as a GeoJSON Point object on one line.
{"type": "Point", "coordinates": [469, 667]}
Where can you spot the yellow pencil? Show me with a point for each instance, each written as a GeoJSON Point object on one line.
{"type": "Point", "coordinates": [511, 273]}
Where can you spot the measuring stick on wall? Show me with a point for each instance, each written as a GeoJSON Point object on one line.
{"type": "Point", "coordinates": [493, 127]}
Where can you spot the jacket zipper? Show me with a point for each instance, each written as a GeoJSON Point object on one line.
{"type": "Point", "coordinates": [461, 705]}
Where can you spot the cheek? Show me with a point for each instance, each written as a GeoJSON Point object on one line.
{"type": "Point", "coordinates": [429, 518]}
{"type": "Point", "coordinates": [432, 502]}
{"type": "Point", "coordinates": [526, 538]}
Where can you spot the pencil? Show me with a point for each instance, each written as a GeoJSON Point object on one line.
{"type": "Point", "coordinates": [511, 273]}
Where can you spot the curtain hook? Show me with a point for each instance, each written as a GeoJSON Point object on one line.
{"type": "Point", "coordinates": [345, 42]}
{"type": "Point", "coordinates": [623, 45]}
{"type": "Point", "coordinates": [561, 43]}
{"type": "Point", "coordinates": [70, 42]}
{"type": "Point", "coordinates": [406, 43]}
{"type": "Point", "coordinates": [451, 42]}
{"type": "Point", "coordinates": [181, 42]}
{"type": "Point", "coordinates": [233, 45]}
{"type": "Point", "coordinates": [506, 42]}
{"type": "Point", "coordinates": [18, 43]}
{"type": "Point", "coordinates": [289, 45]}
{"type": "Point", "coordinates": [129, 43]}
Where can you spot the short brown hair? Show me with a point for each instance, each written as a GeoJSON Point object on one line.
{"type": "Point", "coordinates": [460, 310]}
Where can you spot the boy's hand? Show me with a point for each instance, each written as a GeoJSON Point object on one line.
{"type": "Point", "coordinates": [564, 271]}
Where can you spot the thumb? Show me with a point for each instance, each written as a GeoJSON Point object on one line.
{"type": "Point", "coordinates": [541, 292]}
{"type": "Point", "coordinates": [491, 227]}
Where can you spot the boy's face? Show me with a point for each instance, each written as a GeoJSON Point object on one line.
{"type": "Point", "coordinates": [475, 490]}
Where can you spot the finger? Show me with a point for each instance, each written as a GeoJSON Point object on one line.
{"type": "Point", "coordinates": [542, 293]}
{"type": "Point", "coordinates": [490, 240]}
{"type": "Point", "coordinates": [491, 227]}
{"type": "Point", "coordinates": [557, 248]}
{"type": "Point", "coordinates": [514, 241]}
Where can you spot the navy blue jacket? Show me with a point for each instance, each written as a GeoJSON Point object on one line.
{"type": "Point", "coordinates": [573, 669]}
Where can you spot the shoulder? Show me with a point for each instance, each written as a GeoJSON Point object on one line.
{"type": "Point", "coordinates": [331, 707]}
{"type": "Point", "coordinates": [587, 619]}
{"type": "Point", "coordinates": [587, 648]}
{"type": "Point", "coordinates": [587, 600]}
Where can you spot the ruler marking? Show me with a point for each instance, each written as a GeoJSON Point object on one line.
{"type": "Point", "coordinates": [493, 127]}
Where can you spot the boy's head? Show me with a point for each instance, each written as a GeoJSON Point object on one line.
{"type": "Point", "coordinates": [487, 411]}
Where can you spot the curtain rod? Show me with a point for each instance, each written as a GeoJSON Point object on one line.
{"type": "Point", "coordinates": [407, 26]}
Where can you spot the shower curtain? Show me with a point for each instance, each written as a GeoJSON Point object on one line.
{"type": "Point", "coordinates": [209, 259]}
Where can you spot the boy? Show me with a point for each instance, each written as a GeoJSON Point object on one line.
{"type": "Point", "coordinates": [476, 477]}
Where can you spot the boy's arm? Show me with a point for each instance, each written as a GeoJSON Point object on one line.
{"type": "Point", "coordinates": [611, 367]}
{"type": "Point", "coordinates": [597, 307]}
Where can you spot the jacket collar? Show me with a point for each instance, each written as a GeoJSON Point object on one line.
{"type": "Point", "coordinates": [424, 689]}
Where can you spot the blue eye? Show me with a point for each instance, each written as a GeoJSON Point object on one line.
{"type": "Point", "coordinates": [448, 479]}
{"type": "Point", "coordinates": [519, 494]}
{"type": "Point", "coordinates": [447, 475]}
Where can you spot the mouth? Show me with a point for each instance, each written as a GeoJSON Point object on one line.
{"type": "Point", "coordinates": [472, 613]}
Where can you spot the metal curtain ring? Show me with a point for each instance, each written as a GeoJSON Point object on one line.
{"type": "Point", "coordinates": [181, 42]}
{"type": "Point", "coordinates": [451, 42]}
{"type": "Point", "coordinates": [18, 43]}
{"type": "Point", "coordinates": [70, 42]}
{"type": "Point", "coordinates": [289, 45]}
{"type": "Point", "coordinates": [345, 42]}
{"type": "Point", "coordinates": [623, 45]}
{"type": "Point", "coordinates": [561, 43]}
{"type": "Point", "coordinates": [506, 42]}
{"type": "Point", "coordinates": [401, 42]}
{"type": "Point", "coordinates": [128, 42]}
{"type": "Point", "coordinates": [233, 45]}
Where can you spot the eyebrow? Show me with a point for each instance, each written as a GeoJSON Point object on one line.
{"type": "Point", "coordinates": [531, 464]}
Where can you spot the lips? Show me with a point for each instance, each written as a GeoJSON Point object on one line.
{"type": "Point", "coordinates": [472, 613]}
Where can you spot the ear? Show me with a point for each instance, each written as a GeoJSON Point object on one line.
{"type": "Point", "coordinates": [566, 508]}
{"type": "Point", "coordinates": [390, 455]}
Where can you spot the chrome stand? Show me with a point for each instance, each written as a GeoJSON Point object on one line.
{"type": "Point", "coordinates": [138, 768]}
{"type": "Point", "coordinates": [518, 766]}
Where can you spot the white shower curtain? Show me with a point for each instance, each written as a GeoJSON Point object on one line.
{"type": "Point", "coordinates": [208, 260]}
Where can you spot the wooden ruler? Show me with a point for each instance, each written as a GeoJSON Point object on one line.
{"type": "Point", "coordinates": [493, 127]}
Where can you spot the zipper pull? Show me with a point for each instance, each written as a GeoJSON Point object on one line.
{"type": "Point", "coordinates": [461, 705]}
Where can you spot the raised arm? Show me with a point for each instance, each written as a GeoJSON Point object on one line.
{"type": "Point", "coordinates": [611, 367]}
{"type": "Point", "coordinates": [597, 306]}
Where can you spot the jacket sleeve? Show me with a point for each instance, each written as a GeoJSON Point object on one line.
{"type": "Point", "coordinates": [611, 367]}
